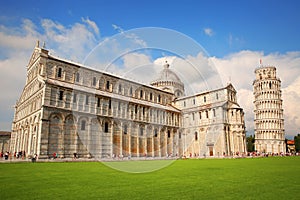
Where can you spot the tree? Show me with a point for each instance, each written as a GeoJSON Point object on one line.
{"type": "Point", "coordinates": [297, 143]}
{"type": "Point", "coordinates": [250, 143]}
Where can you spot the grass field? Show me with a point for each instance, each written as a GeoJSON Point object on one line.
{"type": "Point", "coordinates": [257, 178]}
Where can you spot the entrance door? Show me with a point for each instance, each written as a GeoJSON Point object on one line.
{"type": "Point", "coordinates": [211, 151]}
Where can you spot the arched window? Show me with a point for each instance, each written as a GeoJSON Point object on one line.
{"type": "Point", "coordinates": [106, 127]}
{"type": "Point", "coordinates": [141, 131]}
{"type": "Point", "coordinates": [98, 101]}
{"type": "Point", "coordinates": [74, 98]}
{"type": "Point", "coordinates": [158, 98]}
{"type": "Point", "coordinates": [169, 134]}
{"type": "Point", "coordinates": [109, 104]}
{"type": "Point", "coordinates": [77, 77]}
{"type": "Point", "coordinates": [107, 85]}
{"type": "Point", "coordinates": [86, 100]}
{"type": "Point", "coordinates": [196, 136]}
{"type": "Point", "coordinates": [150, 96]}
{"type": "Point", "coordinates": [141, 94]}
{"type": "Point", "coordinates": [120, 88]}
{"type": "Point", "coordinates": [125, 129]}
{"type": "Point", "coordinates": [59, 72]}
{"type": "Point", "coordinates": [94, 81]}
{"type": "Point", "coordinates": [155, 132]}
{"type": "Point", "coordinates": [61, 95]}
{"type": "Point", "coordinates": [83, 122]}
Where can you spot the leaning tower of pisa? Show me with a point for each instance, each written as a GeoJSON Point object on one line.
{"type": "Point", "coordinates": [268, 119]}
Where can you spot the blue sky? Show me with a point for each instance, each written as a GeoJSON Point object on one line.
{"type": "Point", "coordinates": [271, 26]}
{"type": "Point", "coordinates": [236, 35]}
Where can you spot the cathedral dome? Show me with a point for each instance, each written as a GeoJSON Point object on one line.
{"type": "Point", "coordinates": [169, 81]}
{"type": "Point", "coordinates": [168, 75]}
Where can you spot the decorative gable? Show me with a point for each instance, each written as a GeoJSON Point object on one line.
{"type": "Point", "coordinates": [34, 56]}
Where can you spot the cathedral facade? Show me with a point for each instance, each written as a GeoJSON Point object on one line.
{"type": "Point", "coordinates": [68, 108]}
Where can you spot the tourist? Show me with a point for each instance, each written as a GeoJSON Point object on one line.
{"type": "Point", "coordinates": [6, 155]}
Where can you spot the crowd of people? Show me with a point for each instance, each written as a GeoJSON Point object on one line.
{"type": "Point", "coordinates": [22, 155]}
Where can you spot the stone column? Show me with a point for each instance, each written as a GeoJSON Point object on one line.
{"type": "Point", "coordinates": [43, 139]}
{"type": "Point", "coordinates": [121, 138]}
{"type": "Point", "coordinates": [111, 138]}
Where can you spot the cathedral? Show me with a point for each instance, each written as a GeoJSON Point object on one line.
{"type": "Point", "coordinates": [67, 108]}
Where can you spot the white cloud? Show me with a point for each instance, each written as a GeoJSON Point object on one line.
{"type": "Point", "coordinates": [136, 59]}
{"type": "Point", "coordinates": [72, 42]}
{"type": "Point", "coordinates": [92, 24]}
{"type": "Point", "coordinates": [208, 31]}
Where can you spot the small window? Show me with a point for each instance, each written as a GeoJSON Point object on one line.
{"type": "Point", "coordinates": [135, 109]}
{"type": "Point", "coordinates": [74, 98]}
{"type": "Point", "coordinates": [193, 115]}
{"type": "Point", "coordinates": [158, 98]}
{"type": "Point", "coordinates": [109, 104]}
{"type": "Point", "coordinates": [169, 134]}
{"type": "Point", "coordinates": [98, 102]}
{"type": "Point", "coordinates": [59, 72]}
{"type": "Point", "coordinates": [179, 135]}
{"type": "Point", "coordinates": [141, 131]}
{"type": "Point", "coordinates": [130, 91]}
{"type": "Point", "coordinates": [77, 77]}
{"type": "Point", "coordinates": [214, 112]}
{"type": "Point", "coordinates": [106, 127]}
{"type": "Point", "coordinates": [155, 132]}
{"type": "Point", "coordinates": [94, 81]}
{"type": "Point", "coordinates": [200, 115]}
{"type": "Point", "coordinates": [61, 95]}
{"type": "Point", "coordinates": [107, 85]}
{"type": "Point", "coordinates": [204, 99]}
{"type": "Point", "coordinates": [184, 104]}
{"type": "Point", "coordinates": [119, 106]}
{"type": "Point", "coordinates": [217, 96]}
{"type": "Point", "coordinates": [120, 88]}
{"type": "Point", "coordinates": [194, 101]}
{"type": "Point", "coordinates": [86, 100]}
{"type": "Point", "coordinates": [206, 112]}
{"type": "Point", "coordinates": [141, 94]}
{"type": "Point", "coordinates": [125, 129]}
{"type": "Point", "coordinates": [196, 136]}
{"type": "Point", "coordinates": [83, 125]}
{"type": "Point", "coordinates": [151, 97]}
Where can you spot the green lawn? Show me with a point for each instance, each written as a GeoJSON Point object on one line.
{"type": "Point", "coordinates": [257, 178]}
